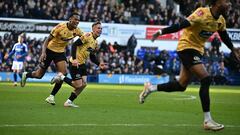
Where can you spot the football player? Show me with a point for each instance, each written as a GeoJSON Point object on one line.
{"type": "Point", "coordinates": [197, 28]}
{"type": "Point", "coordinates": [53, 49]}
{"type": "Point", "coordinates": [86, 46]}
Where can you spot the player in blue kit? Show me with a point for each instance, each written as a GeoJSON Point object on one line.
{"type": "Point", "coordinates": [19, 51]}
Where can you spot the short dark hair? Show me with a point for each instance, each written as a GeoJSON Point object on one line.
{"type": "Point", "coordinates": [211, 2]}
{"type": "Point", "coordinates": [197, 5]}
{"type": "Point", "coordinates": [74, 13]}
{"type": "Point", "coordinates": [96, 23]}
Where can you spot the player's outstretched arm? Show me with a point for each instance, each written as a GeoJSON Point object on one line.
{"type": "Point", "coordinates": [44, 47]}
{"type": "Point", "coordinates": [94, 59]}
{"type": "Point", "coordinates": [171, 29]}
{"type": "Point", "coordinates": [103, 66]}
{"type": "Point", "coordinates": [6, 56]}
{"type": "Point", "coordinates": [227, 41]}
{"type": "Point", "coordinates": [11, 53]}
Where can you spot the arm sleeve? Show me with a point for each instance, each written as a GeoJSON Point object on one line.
{"type": "Point", "coordinates": [54, 32]}
{"type": "Point", "coordinates": [193, 19]}
{"type": "Point", "coordinates": [196, 16]}
{"type": "Point", "coordinates": [12, 51]}
{"type": "Point", "coordinates": [176, 27]}
{"type": "Point", "coordinates": [94, 59]}
{"type": "Point", "coordinates": [225, 38]}
{"type": "Point", "coordinates": [80, 32]}
{"type": "Point", "coordinates": [78, 42]}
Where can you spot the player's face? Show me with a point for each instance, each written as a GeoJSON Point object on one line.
{"type": "Point", "coordinates": [224, 6]}
{"type": "Point", "coordinates": [20, 39]}
{"type": "Point", "coordinates": [74, 21]}
{"type": "Point", "coordinates": [97, 30]}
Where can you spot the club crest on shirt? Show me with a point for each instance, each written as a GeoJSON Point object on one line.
{"type": "Point", "coordinates": [196, 59]}
{"type": "Point", "coordinates": [87, 34]}
{"type": "Point", "coordinates": [200, 13]}
{"type": "Point", "coordinates": [78, 75]}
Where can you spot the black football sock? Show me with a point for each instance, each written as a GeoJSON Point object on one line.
{"type": "Point", "coordinates": [56, 88]}
{"type": "Point", "coordinates": [204, 93]}
{"type": "Point", "coordinates": [72, 97]}
{"type": "Point", "coordinates": [170, 87]}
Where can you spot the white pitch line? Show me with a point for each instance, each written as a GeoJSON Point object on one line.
{"type": "Point", "coordinates": [183, 97]}
{"type": "Point", "coordinates": [189, 97]}
{"type": "Point", "coordinates": [108, 125]}
{"type": "Point", "coordinates": [222, 102]}
{"type": "Point", "coordinates": [71, 125]}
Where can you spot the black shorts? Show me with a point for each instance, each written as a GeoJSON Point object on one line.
{"type": "Point", "coordinates": [190, 57]}
{"type": "Point", "coordinates": [52, 56]}
{"type": "Point", "coordinates": [77, 72]}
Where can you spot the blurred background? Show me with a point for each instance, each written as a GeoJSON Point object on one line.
{"type": "Point", "coordinates": [125, 42]}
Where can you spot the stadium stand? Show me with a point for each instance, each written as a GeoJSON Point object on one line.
{"type": "Point", "coordinates": [147, 60]}
{"type": "Point", "coordinates": [110, 11]}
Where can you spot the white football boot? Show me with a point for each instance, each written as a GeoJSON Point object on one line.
{"type": "Point", "coordinates": [50, 100]}
{"type": "Point", "coordinates": [146, 91]}
{"type": "Point", "coordinates": [70, 104]}
{"type": "Point", "coordinates": [212, 125]}
{"type": "Point", "coordinates": [23, 79]}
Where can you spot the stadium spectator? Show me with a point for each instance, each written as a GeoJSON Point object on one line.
{"type": "Point", "coordinates": [232, 64]}
{"type": "Point", "coordinates": [216, 44]}
{"type": "Point", "coordinates": [104, 46]}
{"type": "Point", "coordinates": [120, 58]}
{"type": "Point", "coordinates": [220, 76]}
{"type": "Point", "coordinates": [131, 44]}
{"type": "Point", "coordinates": [110, 11]}
{"type": "Point", "coordinates": [159, 62]}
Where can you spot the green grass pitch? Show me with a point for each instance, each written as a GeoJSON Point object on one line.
{"type": "Point", "coordinates": [114, 110]}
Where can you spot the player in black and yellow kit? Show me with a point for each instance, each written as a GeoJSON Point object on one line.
{"type": "Point", "coordinates": [53, 49]}
{"type": "Point", "coordinates": [198, 27]}
{"type": "Point", "coordinates": [82, 48]}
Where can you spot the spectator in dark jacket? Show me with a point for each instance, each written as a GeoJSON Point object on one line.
{"type": "Point", "coordinates": [131, 44]}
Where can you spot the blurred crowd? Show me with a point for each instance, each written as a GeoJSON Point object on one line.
{"type": "Point", "coordinates": [219, 65]}
{"type": "Point", "coordinates": [111, 11]}
{"type": "Point", "coordinates": [121, 59]}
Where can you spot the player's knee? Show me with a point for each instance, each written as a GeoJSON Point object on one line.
{"type": "Point", "coordinates": [206, 81]}
{"type": "Point", "coordinates": [77, 86]}
{"type": "Point", "coordinates": [180, 87]}
{"type": "Point", "coordinates": [39, 76]}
